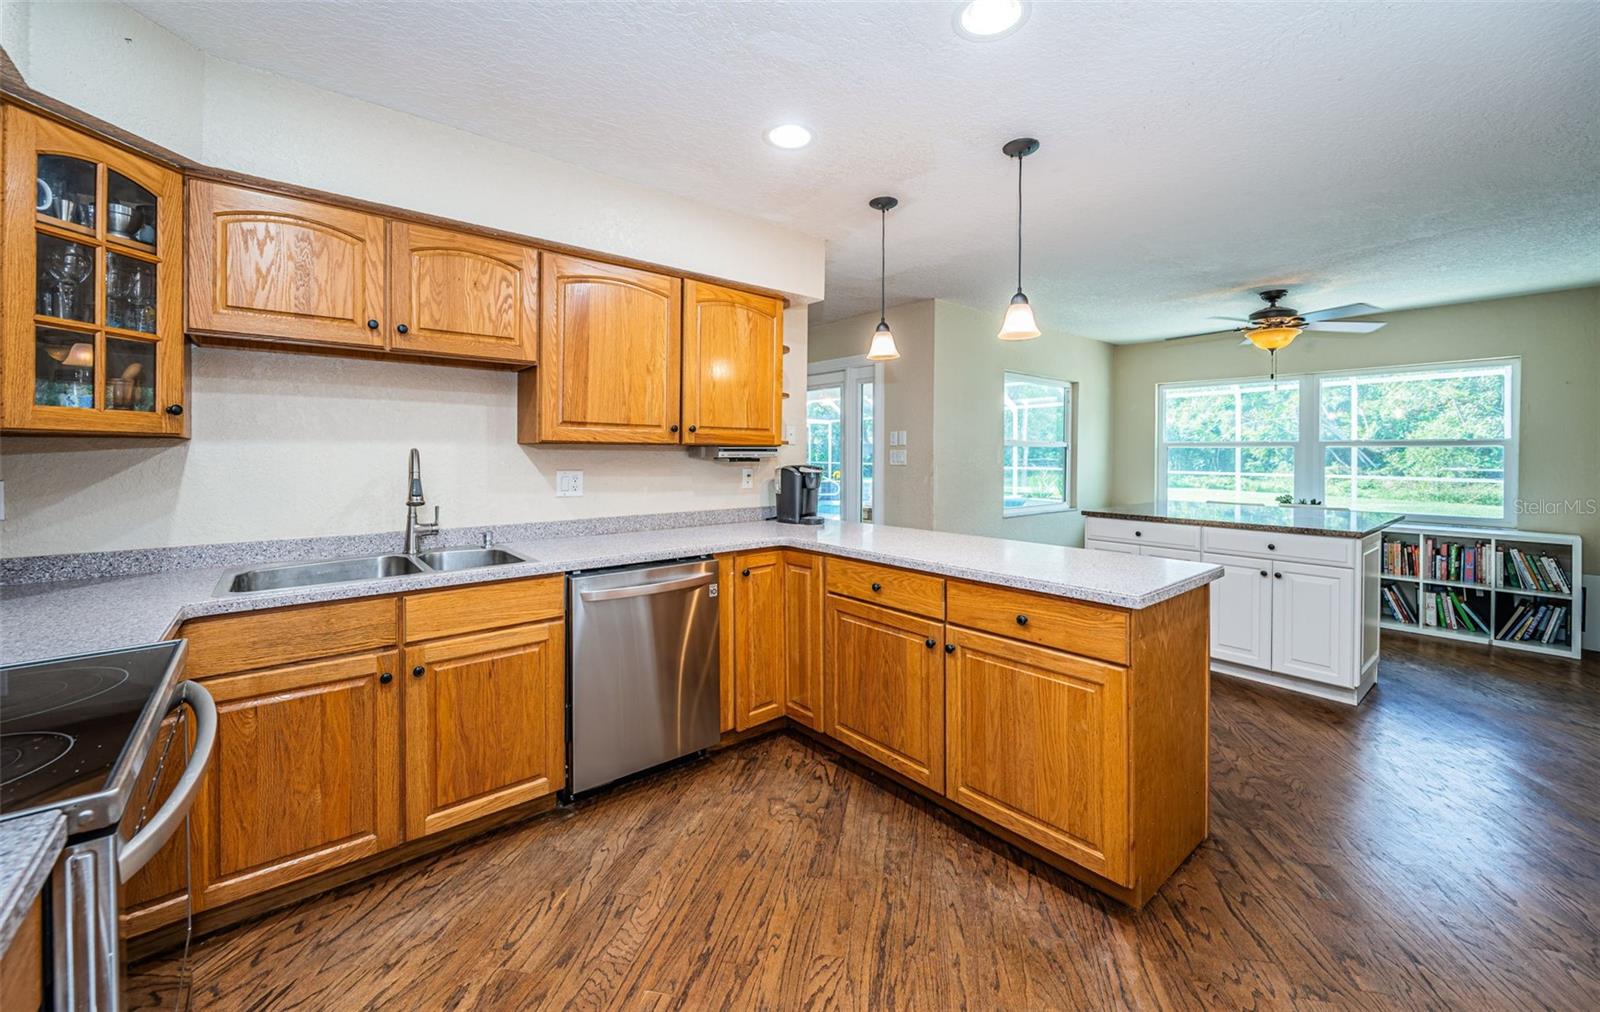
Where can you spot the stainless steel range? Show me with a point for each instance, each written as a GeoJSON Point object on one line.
{"type": "Point", "coordinates": [74, 735]}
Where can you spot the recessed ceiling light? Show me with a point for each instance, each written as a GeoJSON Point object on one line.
{"type": "Point", "coordinates": [789, 136]}
{"type": "Point", "coordinates": [990, 19]}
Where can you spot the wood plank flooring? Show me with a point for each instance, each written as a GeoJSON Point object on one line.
{"type": "Point", "coordinates": [1437, 848]}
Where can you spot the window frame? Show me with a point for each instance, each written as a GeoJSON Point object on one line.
{"type": "Point", "coordinates": [1069, 462]}
{"type": "Point", "coordinates": [1310, 448]}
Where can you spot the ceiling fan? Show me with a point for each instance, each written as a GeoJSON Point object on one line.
{"type": "Point", "coordinates": [1273, 327]}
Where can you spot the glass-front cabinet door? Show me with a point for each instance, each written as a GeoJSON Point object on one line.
{"type": "Point", "coordinates": [93, 286]}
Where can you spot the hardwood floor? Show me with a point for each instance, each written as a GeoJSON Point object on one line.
{"type": "Point", "coordinates": [1437, 848]}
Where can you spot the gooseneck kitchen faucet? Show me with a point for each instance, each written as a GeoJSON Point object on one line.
{"type": "Point", "coordinates": [416, 529]}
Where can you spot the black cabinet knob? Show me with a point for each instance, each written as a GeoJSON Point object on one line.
{"type": "Point", "coordinates": [931, 644]}
{"type": "Point", "coordinates": [745, 573]}
{"type": "Point", "coordinates": [949, 648]}
{"type": "Point", "coordinates": [672, 428]}
{"type": "Point", "coordinates": [1138, 534]}
{"type": "Point", "coordinates": [1022, 620]}
{"type": "Point", "coordinates": [692, 428]}
{"type": "Point", "coordinates": [174, 409]}
{"type": "Point", "coordinates": [402, 328]}
{"type": "Point", "coordinates": [1277, 576]}
{"type": "Point", "coordinates": [1271, 547]}
{"type": "Point", "coordinates": [386, 677]}
{"type": "Point", "coordinates": [417, 671]}
{"type": "Point", "coordinates": [1263, 572]}
{"type": "Point", "coordinates": [372, 324]}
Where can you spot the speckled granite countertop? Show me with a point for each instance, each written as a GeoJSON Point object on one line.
{"type": "Point", "coordinates": [43, 620]}
{"type": "Point", "coordinates": [1288, 519]}
{"type": "Point", "coordinates": [28, 849]}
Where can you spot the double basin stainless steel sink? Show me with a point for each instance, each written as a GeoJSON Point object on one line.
{"type": "Point", "coordinates": [359, 569]}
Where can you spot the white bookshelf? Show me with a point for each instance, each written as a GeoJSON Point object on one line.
{"type": "Point", "coordinates": [1488, 596]}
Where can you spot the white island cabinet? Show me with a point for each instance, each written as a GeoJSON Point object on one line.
{"type": "Point", "coordinates": [1297, 605]}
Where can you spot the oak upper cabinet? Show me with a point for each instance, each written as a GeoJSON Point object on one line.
{"type": "Point", "coordinates": [802, 627]}
{"type": "Point", "coordinates": [732, 366]}
{"type": "Point", "coordinates": [759, 655]}
{"type": "Point", "coordinates": [462, 296]}
{"type": "Point", "coordinates": [1038, 744]}
{"type": "Point", "coordinates": [610, 351]}
{"type": "Point", "coordinates": [485, 724]}
{"type": "Point", "coordinates": [91, 298]}
{"type": "Point", "coordinates": [884, 692]}
{"type": "Point", "coordinates": [304, 774]}
{"type": "Point", "coordinates": [264, 265]}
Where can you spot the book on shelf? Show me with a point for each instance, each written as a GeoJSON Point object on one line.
{"type": "Point", "coordinates": [1523, 570]}
{"type": "Point", "coordinates": [1456, 562]}
{"type": "Point", "coordinates": [1399, 558]}
{"type": "Point", "coordinates": [1447, 609]}
{"type": "Point", "coordinates": [1397, 606]}
{"type": "Point", "coordinates": [1536, 623]}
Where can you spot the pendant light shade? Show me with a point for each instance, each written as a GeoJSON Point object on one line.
{"type": "Point", "coordinates": [1019, 324]}
{"type": "Point", "coordinates": [883, 348]}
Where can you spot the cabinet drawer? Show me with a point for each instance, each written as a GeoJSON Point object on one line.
{"type": "Point", "coordinates": [453, 610]}
{"type": "Point", "coordinates": [917, 593]}
{"type": "Point", "coordinates": [1268, 545]}
{"type": "Point", "coordinates": [1078, 628]}
{"type": "Point", "coordinates": [225, 644]}
{"type": "Point", "coordinates": [1140, 532]}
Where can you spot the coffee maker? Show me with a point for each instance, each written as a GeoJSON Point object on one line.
{"type": "Point", "coordinates": [798, 487]}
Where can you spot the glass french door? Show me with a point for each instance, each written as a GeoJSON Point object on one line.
{"type": "Point", "coordinates": [841, 441]}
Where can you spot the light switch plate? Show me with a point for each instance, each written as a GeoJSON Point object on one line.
{"type": "Point", "coordinates": [897, 457]}
{"type": "Point", "coordinates": [788, 434]}
{"type": "Point", "coordinates": [569, 483]}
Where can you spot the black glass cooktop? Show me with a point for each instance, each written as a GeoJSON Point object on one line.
{"type": "Point", "coordinates": [66, 724]}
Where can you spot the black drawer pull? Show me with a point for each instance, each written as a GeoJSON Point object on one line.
{"type": "Point", "coordinates": [1271, 547]}
{"type": "Point", "coordinates": [931, 644]}
{"type": "Point", "coordinates": [1022, 620]}
{"type": "Point", "coordinates": [672, 428]}
{"type": "Point", "coordinates": [877, 586]}
{"type": "Point", "coordinates": [1277, 576]}
{"type": "Point", "coordinates": [1263, 572]}
{"type": "Point", "coordinates": [372, 324]}
{"type": "Point", "coordinates": [403, 329]}
{"type": "Point", "coordinates": [1138, 534]}
{"type": "Point", "coordinates": [386, 677]}
{"type": "Point", "coordinates": [949, 648]}
{"type": "Point", "coordinates": [745, 572]}
{"type": "Point", "coordinates": [417, 671]}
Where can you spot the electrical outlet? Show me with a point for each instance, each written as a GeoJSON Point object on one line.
{"type": "Point", "coordinates": [569, 483]}
{"type": "Point", "coordinates": [747, 477]}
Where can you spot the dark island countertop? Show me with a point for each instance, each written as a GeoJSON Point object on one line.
{"type": "Point", "coordinates": [1318, 520]}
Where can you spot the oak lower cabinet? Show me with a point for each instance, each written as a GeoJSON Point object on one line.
{"type": "Point", "coordinates": [303, 778]}
{"type": "Point", "coordinates": [760, 658]}
{"type": "Point", "coordinates": [458, 295]}
{"type": "Point", "coordinates": [1038, 744]}
{"type": "Point", "coordinates": [270, 266]}
{"type": "Point", "coordinates": [802, 628]}
{"type": "Point", "coordinates": [732, 366]}
{"type": "Point", "coordinates": [485, 724]}
{"type": "Point", "coordinates": [610, 355]}
{"type": "Point", "coordinates": [884, 691]}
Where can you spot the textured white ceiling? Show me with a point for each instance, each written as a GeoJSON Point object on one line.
{"type": "Point", "coordinates": [1392, 153]}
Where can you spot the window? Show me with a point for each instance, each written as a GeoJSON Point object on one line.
{"type": "Point", "coordinates": [1037, 467]}
{"type": "Point", "coordinates": [1432, 442]}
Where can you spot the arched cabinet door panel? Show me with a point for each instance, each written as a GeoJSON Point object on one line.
{"type": "Point", "coordinates": [461, 295]}
{"type": "Point", "coordinates": [732, 366]}
{"type": "Point", "coordinates": [610, 351]}
{"type": "Point", "coordinates": [280, 268]}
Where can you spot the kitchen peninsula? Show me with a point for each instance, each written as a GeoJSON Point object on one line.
{"type": "Point", "coordinates": [1297, 603]}
{"type": "Point", "coordinates": [904, 650]}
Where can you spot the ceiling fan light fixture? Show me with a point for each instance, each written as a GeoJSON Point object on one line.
{"type": "Point", "coordinates": [1019, 324]}
{"type": "Point", "coordinates": [1273, 338]}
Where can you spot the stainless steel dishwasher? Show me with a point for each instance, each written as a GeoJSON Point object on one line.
{"type": "Point", "coordinates": [643, 675]}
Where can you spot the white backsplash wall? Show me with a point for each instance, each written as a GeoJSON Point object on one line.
{"type": "Point", "coordinates": [287, 445]}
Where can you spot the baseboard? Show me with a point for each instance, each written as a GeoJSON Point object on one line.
{"type": "Point", "coordinates": [1301, 686]}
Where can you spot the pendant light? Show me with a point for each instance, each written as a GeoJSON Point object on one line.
{"type": "Point", "coordinates": [1019, 324]}
{"type": "Point", "coordinates": [883, 347]}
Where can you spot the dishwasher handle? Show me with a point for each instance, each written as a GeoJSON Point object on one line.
{"type": "Point", "coordinates": [646, 589]}
{"type": "Point", "coordinates": [138, 851]}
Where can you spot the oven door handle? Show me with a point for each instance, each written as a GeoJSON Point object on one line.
{"type": "Point", "coordinates": [138, 851]}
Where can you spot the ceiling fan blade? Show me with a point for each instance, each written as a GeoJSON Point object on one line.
{"type": "Point", "coordinates": [1340, 312]}
{"type": "Point", "coordinates": [1346, 327]}
{"type": "Point", "coordinates": [1230, 319]}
